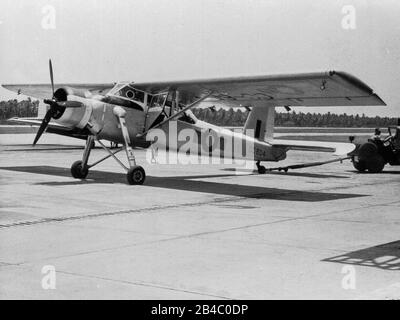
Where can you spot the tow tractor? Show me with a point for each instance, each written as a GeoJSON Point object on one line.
{"type": "Point", "coordinates": [372, 156]}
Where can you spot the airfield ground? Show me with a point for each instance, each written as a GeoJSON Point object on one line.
{"type": "Point", "coordinates": [194, 232]}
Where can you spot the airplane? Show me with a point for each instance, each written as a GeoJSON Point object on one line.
{"type": "Point", "coordinates": [128, 112]}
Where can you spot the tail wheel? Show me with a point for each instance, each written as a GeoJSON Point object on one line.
{"type": "Point", "coordinates": [136, 175]}
{"type": "Point", "coordinates": [261, 170]}
{"type": "Point", "coordinates": [78, 171]}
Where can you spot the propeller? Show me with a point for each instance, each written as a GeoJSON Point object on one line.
{"type": "Point", "coordinates": [56, 109]}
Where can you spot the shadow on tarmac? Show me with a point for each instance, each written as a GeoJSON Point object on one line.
{"type": "Point", "coordinates": [385, 256]}
{"type": "Point", "coordinates": [294, 174]}
{"type": "Point", "coordinates": [184, 183]}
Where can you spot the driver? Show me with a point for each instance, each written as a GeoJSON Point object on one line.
{"type": "Point", "coordinates": [377, 135]}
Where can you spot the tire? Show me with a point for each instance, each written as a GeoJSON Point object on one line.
{"type": "Point", "coordinates": [375, 164]}
{"type": "Point", "coordinates": [359, 165]}
{"type": "Point", "coordinates": [136, 175]}
{"type": "Point", "coordinates": [369, 158]}
{"type": "Point", "coordinates": [77, 170]}
{"type": "Point", "coordinates": [367, 151]}
{"type": "Point", "coordinates": [261, 170]}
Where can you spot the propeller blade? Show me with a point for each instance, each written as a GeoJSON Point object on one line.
{"type": "Point", "coordinates": [70, 104]}
{"type": "Point", "coordinates": [51, 76]}
{"type": "Point", "coordinates": [43, 126]}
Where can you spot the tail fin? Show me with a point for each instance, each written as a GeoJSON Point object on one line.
{"type": "Point", "coordinates": [262, 121]}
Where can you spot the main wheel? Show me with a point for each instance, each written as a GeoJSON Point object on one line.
{"type": "Point", "coordinates": [78, 171]}
{"type": "Point", "coordinates": [136, 175]}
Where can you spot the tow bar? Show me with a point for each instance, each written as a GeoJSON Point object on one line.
{"type": "Point", "coordinates": [306, 165]}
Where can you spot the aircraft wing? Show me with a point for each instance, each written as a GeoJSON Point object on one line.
{"type": "Point", "coordinates": [308, 89]}
{"type": "Point", "coordinates": [43, 91]}
{"type": "Point", "coordinates": [305, 89]}
{"type": "Point", "coordinates": [35, 122]}
{"type": "Point", "coordinates": [338, 148]}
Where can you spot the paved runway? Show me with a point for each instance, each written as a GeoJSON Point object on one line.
{"type": "Point", "coordinates": [195, 232]}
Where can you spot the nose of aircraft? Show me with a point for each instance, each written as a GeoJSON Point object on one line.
{"type": "Point", "coordinates": [58, 104]}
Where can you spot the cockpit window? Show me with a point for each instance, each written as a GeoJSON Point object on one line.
{"type": "Point", "coordinates": [128, 92]}
{"type": "Point", "coordinates": [131, 94]}
{"type": "Point", "coordinates": [158, 100]}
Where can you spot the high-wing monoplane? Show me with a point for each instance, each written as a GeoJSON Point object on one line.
{"type": "Point", "coordinates": [129, 113]}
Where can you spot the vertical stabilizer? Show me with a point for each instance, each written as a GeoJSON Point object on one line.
{"type": "Point", "coordinates": [262, 121]}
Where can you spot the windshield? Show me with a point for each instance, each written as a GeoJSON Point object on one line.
{"type": "Point", "coordinates": [158, 100]}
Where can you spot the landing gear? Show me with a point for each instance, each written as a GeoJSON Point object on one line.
{"type": "Point", "coordinates": [135, 174]}
{"type": "Point", "coordinates": [78, 170]}
{"type": "Point", "coordinates": [261, 169]}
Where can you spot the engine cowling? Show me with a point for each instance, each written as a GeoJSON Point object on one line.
{"type": "Point", "coordinates": [78, 110]}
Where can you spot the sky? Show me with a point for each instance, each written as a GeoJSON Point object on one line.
{"type": "Point", "coordinates": [151, 40]}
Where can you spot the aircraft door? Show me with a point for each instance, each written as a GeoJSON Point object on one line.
{"type": "Point", "coordinates": [160, 107]}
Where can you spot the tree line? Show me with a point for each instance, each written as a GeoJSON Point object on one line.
{"type": "Point", "coordinates": [231, 117]}
{"type": "Point", "coordinates": [237, 117]}
{"type": "Point", "coordinates": [21, 109]}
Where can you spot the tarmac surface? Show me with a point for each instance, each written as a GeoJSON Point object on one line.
{"type": "Point", "coordinates": [194, 231]}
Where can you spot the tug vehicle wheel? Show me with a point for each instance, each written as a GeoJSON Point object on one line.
{"type": "Point", "coordinates": [369, 158]}
{"type": "Point", "coordinates": [376, 164]}
{"type": "Point", "coordinates": [359, 165]}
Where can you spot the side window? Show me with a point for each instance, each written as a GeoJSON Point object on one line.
{"type": "Point", "coordinates": [158, 100]}
{"type": "Point", "coordinates": [169, 101]}
{"type": "Point", "coordinates": [131, 94]}
{"type": "Point", "coordinates": [149, 98]}
{"type": "Point", "coordinates": [139, 96]}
